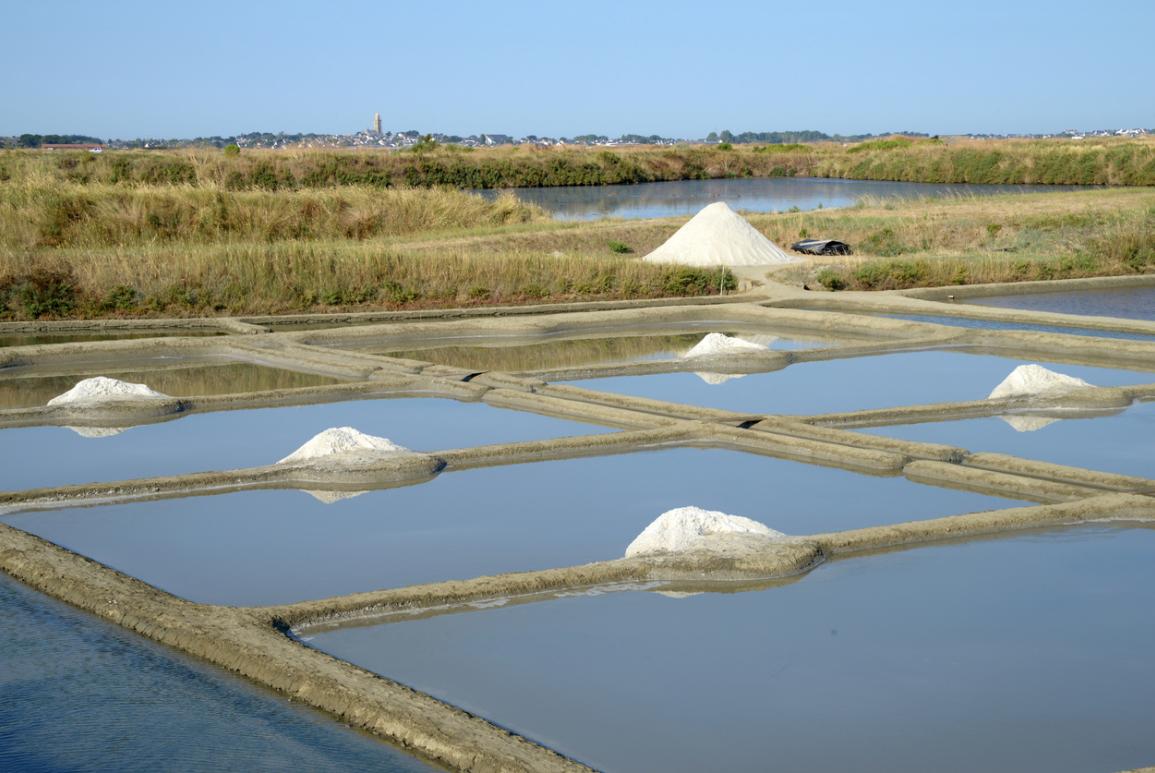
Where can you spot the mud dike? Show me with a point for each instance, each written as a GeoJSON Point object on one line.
{"type": "Point", "coordinates": [262, 643]}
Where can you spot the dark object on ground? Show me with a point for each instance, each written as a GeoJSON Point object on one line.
{"type": "Point", "coordinates": [822, 247]}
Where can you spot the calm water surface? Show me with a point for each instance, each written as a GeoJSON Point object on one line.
{"type": "Point", "coordinates": [775, 194]}
{"type": "Point", "coordinates": [1031, 653]}
{"type": "Point", "coordinates": [80, 694]}
{"type": "Point", "coordinates": [1123, 443]}
{"type": "Point", "coordinates": [21, 392]}
{"type": "Point", "coordinates": [990, 324]}
{"type": "Point", "coordinates": [851, 384]}
{"type": "Point", "coordinates": [32, 339]}
{"type": "Point", "coordinates": [54, 456]}
{"type": "Point", "coordinates": [269, 547]}
{"type": "Point", "coordinates": [1129, 303]}
{"type": "Point", "coordinates": [581, 352]}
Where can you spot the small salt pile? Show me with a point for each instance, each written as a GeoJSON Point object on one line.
{"type": "Point", "coordinates": [343, 440]}
{"type": "Point", "coordinates": [1036, 381]}
{"type": "Point", "coordinates": [685, 528]}
{"type": "Point", "coordinates": [719, 236]}
{"type": "Point", "coordinates": [101, 389]}
{"type": "Point", "coordinates": [720, 344]}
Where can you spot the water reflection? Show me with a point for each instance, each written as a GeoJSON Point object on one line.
{"type": "Point", "coordinates": [1014, 654]}
{"type": "Point", "coordinates": [83, 695]}
{"type": "Point", "coordinates": [774, 194]}
{"type": "Point", "coordinates": [28, 392]}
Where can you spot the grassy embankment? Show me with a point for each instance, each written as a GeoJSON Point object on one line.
{"type": "Point", "coordinates": [953, 240]}
{"type": "Point", "coordinates": [200, 232]}
{"type": "Point", "coordinates": [68, 249]}
{"type": "Point", "coordinates": [1100, 161]}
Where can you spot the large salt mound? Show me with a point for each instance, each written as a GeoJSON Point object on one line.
{"type": "Point", "coordinates": [717, 344]}
{"type": "Point", "coordinates": [686, 527]}
{"type": "Point", "coordinates": [1035, 380]}
{"type": "Point", "coordinates": [101, 389]}
{"type": "Point", "coordinates": [343, 440]}
{"type": "Point", "coordinates": [719, 236]}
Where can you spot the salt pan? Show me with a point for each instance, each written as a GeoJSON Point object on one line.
{"type": "Point", "coordinates": [685, 528]}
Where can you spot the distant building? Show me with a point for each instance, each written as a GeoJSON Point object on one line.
{"type": "Point", "coordinates": [377, 124]}
{"type": "Point", "coordinates": [91, 148]}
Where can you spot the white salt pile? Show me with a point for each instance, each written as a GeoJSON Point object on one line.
{"type": "Point", "coordinates": [343, 440]}
{"type": "Point", "coordinates": [719, 344]}
{"type": "Point", "coordinates": [1035, 380]}
{"type": "Point", "coordinates": [92, 391]}
{"type": "Point", "coordinates": [719, 236]}
{"type": "Point", "coordinates": [685, 528]}
{"type": "Point", "coordinates": [1028, 423]}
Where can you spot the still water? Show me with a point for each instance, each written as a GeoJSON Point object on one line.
{"type": "Point", "coordinates": [269, 547]}
{"type": "Point", "coordinates": [851, 384]}
{"type": "Point", "coordinates": [80, 694]}
{"type": "Point", "coordinates": [1123, 443]}
{"type": "Point", "coordinates": [190, 381]}
{"type": "Point", "coordinates": [990, 324]}
{"type": "Point", "coordinates": [225, 440]}
{"type": "Point", "coordinates": [772, 194]}
{"type": "Point", "coordinates": [1129, 303]}
{"type": "Point", "coordinates": [1032, 653]}
{"type": "Point", "coordinates": [538, 354]}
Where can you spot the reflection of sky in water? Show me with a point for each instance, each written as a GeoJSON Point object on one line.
{"type": "Point", "coordinates": [278, 546]}
{"type": "Point", "coordinates": [32, 339]}
{"type": "Point", "coordinates": [987, 324]}
{"type": "Point", "coordinates": [178, 382]}
{"type": "Point", "coordinates": [851, 384]}
{"type": "Point", "coordinates": [686, 197]}
{"type": "Point", "coordinates": [53, 456]}
{"type": "Point", "coordinates": [1129, 303]}
{"type": "Point", "coordinates": [81, 694]}
{"type": "Point", "coordinates": [1018, 654]}
{"type": "Point", "coordinates": [582, 352]}
{"type": "Point", "coordinates": [1123, 443]}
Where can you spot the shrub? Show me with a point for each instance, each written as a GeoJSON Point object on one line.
{"type": "Point", "coordinates": [831, 279]}
{"type": "Point", "coordinates": [232, 149]}
{"type": "Point", "coordinates": [620, 248]}
{"type": "Point", "coordinates": [44, 292]}
{"type": "Point", "coordinates": [121, 298]}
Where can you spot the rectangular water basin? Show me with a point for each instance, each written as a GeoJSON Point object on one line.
{"type": "Point", "coordinates": [508, 354]}
{"type": "Point", "coordinates": [1127, 302]}
{"type": "Point", "coordinates": [268, 547]}
{"type": "Point", "coordinates": [1123, 443]}
{"type": "Point", "coordinates": [83, 694]}
{"type": "Point", "coordinates": [1030, 653]}
{"type": "Point", "coordinates": [225, 440]}
{"type": "Point", "coordinates": [71, 337]}
{"type": "Point", "coordinates": [990, 324]}
{"type": "Point", "coordinates": [191, 381]}
{"type": "Point", "coordinates": [848, 384]}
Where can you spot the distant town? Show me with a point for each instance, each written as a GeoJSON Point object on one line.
{"type": "Point", "coordinates": [376, 137]}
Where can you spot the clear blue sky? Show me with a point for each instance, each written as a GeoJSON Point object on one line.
{"type": "Point", "coordinates": [141, 69]}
